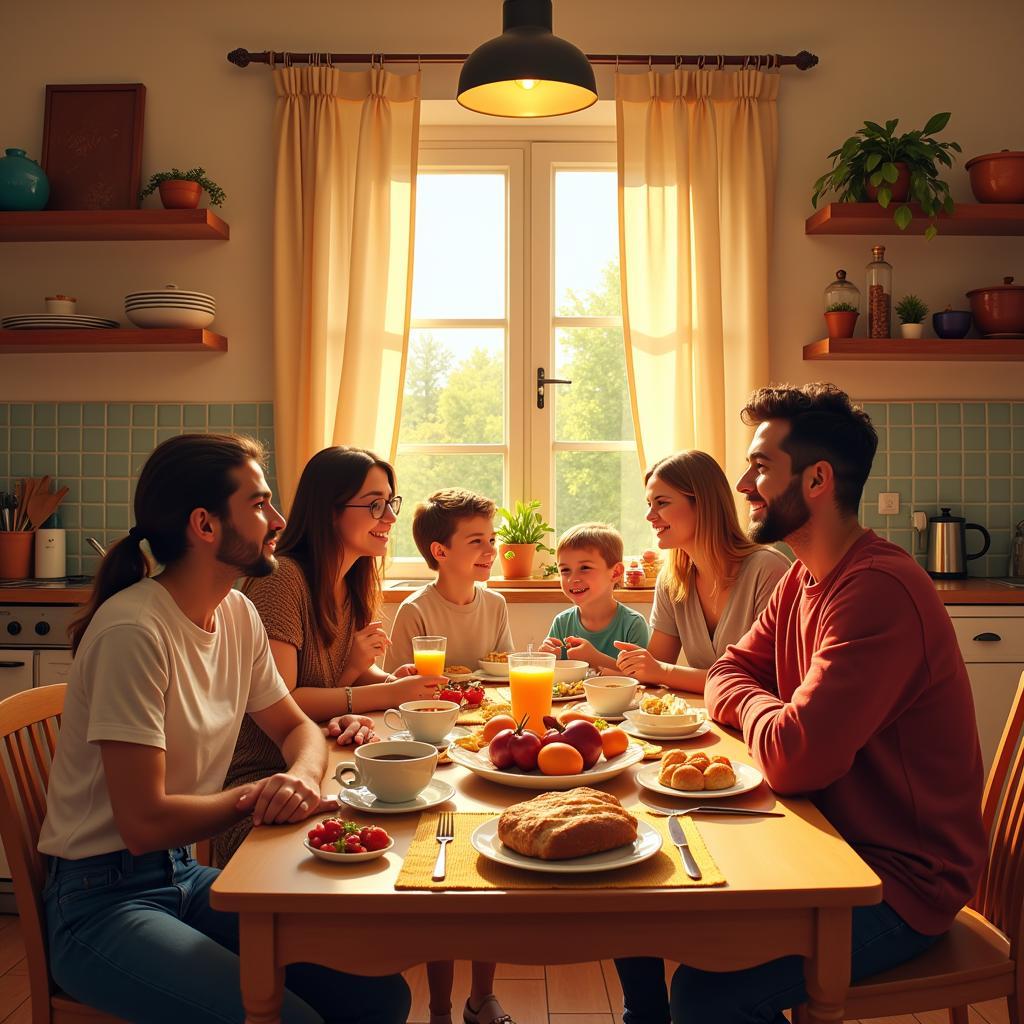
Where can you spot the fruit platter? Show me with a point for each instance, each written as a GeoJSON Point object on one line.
{"type": "Point", "coordinates": [565, 756]}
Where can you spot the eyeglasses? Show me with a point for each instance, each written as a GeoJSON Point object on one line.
{"type": "Point", "coordinates": [378, 505]}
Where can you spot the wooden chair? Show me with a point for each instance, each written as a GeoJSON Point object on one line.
{"type": "Point", "coordinates": [29, 722]}
{"type": "Point", "coordinates": [980, 958]}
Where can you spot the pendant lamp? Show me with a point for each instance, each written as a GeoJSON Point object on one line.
{"type": "Point", "coordinates": [527, 71]}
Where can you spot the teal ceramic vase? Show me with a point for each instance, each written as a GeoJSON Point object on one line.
{"type": "Point", "coordinates": [23, 183]}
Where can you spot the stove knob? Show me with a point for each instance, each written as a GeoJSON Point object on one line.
{"type": "Point", "coordinates": [14, 628]}
{"type": "Point", "coordinates": [42, 628]}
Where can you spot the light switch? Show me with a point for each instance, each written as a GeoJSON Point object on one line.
{"type": "Point", "coordinates": [889, 503]}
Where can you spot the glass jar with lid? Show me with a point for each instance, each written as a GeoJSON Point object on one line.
{"type": "Point", "coordinates": [842, 296]}
{"type": "Point", "coordinates": [879, 284]}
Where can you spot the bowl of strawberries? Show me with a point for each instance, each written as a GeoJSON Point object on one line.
{"type": "Point", "coordinates": [347, 842]}
{"type": "Point", "coordinates": [465, 694]}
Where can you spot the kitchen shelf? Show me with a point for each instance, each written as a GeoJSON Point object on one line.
{"type": "Point", "coordinates": [871, 219]}
{"type": "Point", "coordinates": [113, 340]}
{"type": "Point", "coordinates": [981, 350]}
{"type": "Point", "coordinates": [112, 226]}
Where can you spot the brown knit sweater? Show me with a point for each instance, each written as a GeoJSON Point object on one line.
{"type": "Point", "coordinates": [285, 605]}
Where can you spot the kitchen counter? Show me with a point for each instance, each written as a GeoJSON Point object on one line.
{"type": "Point", "coordinates": [970, 591]}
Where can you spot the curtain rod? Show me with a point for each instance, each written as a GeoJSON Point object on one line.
{"type": "Point", "coordinates": [803, 60]}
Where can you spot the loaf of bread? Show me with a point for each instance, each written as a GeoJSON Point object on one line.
{"type": "Point", "coordinates": [563, 825]}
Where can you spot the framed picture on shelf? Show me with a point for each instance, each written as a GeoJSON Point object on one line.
{"type": "Point", "coordinates": [92, 146]}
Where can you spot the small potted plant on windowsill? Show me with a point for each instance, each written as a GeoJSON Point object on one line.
{"type": "Point", "coordinates": [521, 534]}
{"type": "Point", "coordinates": [878, 165]}
{"type": "Point", "coordinates": [841, 318]}
{"type": "Point", "coordinates": [180, 190]}
{"type": "Point", "coordinates": [911, 311]}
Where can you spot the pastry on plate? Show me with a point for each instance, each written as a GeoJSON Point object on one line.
{"type": "Point", "coordinates": [563, 825]}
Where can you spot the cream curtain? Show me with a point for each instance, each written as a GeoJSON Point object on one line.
{"type": "Point", "coordinates": [696, 160]}
{"type": "Point", "coordinates": [343, 224]}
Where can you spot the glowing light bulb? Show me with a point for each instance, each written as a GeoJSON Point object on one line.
{"type": "Point", "coordinates": [526, 83]}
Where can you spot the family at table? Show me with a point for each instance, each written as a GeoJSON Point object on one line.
{"type": "Point", "coordinates": [192, 708]}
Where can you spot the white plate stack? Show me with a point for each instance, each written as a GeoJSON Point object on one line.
{"type": "Point", "coordinates": [170, 308]}
{"type": "Point", "coordinates": [56, 322]}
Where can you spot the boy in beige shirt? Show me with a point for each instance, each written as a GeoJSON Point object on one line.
{"type": "Point", "coordinates": [454, 531]}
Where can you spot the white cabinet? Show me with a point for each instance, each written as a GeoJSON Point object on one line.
{"type": "Point", "coordinates": [991, 640]}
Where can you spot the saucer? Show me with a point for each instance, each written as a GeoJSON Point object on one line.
{"type": "Point", "coordinates": [360, 798]}
{"type": "Point", "coordinates": [457, 733]}
{"type": "Point", "coordinates": [585, 708]}
{"type": "Point", "coordinates": [643, 734]}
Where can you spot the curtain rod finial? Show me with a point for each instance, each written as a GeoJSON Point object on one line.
{"type": "Point", "coordinates": [239, 57]}
{"type": "Point", "coordinates": [805, 60]}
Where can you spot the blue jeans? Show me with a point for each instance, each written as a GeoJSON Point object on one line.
{"type": "Point", "coordinates": [136, 937]}
{"type": "Point", "coordinates": [758, 995]}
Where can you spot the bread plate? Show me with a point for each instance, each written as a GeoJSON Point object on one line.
{"type": "Point", "coordinates": [747, 778]}
{"type": "Point", "coordinates": [647, 843]}
{"type": "Point", "coordinates": [480, 764]}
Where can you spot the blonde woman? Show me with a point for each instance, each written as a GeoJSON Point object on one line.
{"type": "Point", "coordinates": [715, 582]}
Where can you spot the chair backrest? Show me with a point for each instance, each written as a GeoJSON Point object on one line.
{"type": "Point", "coordinates": [29, 722]}
{"type": "Point", "coordinates": [1001, 891]}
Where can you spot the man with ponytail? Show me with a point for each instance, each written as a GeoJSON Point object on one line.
{"type": "Point", "coordinates": [166, 667]}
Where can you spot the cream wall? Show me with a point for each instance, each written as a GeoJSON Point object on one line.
{"type": "Point", "coordinates": [914, 59]}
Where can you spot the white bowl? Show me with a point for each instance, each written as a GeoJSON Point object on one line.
{"type": "Point", "coordinates": [669, 723]}
{"type": "Point", "coordinates": [610, 695]}
{"type": "Point", "coordinates": [169, 316]}
{"type": "Point", "coordinates": [570, 671]}
{"type": "Point", "coordinates": [347, 858]}
{"type": "Point", "coordinates": [677, 725]}
{"type": "Point", "coordinates": [494, 668]}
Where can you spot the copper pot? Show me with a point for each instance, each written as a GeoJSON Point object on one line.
{"type": "Point", "coordinates": [997, 177]}
{"type": "Point", "coordinates": [999, 311]}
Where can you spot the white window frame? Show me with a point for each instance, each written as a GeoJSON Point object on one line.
{"type": "Point", "coordinates": [530, 324]}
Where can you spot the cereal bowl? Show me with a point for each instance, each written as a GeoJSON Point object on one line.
{"type": "Point", "coordinates": [610, 695]}
{"type": "Point", "coordinates": [570, 671]}
{"type": "Point", "coordinates": [498, 669]}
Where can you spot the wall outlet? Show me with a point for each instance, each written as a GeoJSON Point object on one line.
{"type": "Point", "coordinates": [889, 503]}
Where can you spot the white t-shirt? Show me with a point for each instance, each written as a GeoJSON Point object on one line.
{"type": "Point", "coordinates": [473, 630]}
{"type": "Point", "coordinates": [145, 673]}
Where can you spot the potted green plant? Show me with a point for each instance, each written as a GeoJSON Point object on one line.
{"type": "Point", "coordinates": [180, 190]}
{"type": "Point", "coordinates": [521, 534]}
{"type": "Point", "coordinates": [911, 311]}
{"type": "Point", "coordinates": [877, 164]}
{"type": "Point", "coordinates": [841, 318]}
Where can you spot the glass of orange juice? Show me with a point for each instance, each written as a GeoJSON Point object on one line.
{"type": "Point", "coordinates": [428, 654]}
{"type": "Point", "coordinates": [531, 678]}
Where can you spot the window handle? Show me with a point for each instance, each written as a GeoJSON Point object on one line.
{"type": "Point", "coordinates": [987, 638]}
{"type": "Point", "coordinates": [542, 382]}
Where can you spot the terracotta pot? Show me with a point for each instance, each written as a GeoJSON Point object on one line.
{"type": "Point", "coordinates": [900, 187]}
{"type": "Point", "coordinates": [997, 177]}
{"type": "Point", "coordinates": [16, 554]}
{"type": "Point", "coordinates": [516, 560]}
{"type": "Point", "coordinates": [999, 311]}
{"type": "Point", "coordinates": [912, 331]}
{"type": "Point", "coordinates": [841, 324]}
{"type": "Point", "coordinates": [177, 194]}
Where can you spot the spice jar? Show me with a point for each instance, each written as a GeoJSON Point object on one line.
{"type": "Point", "coordinates": [879, 283]}
{"type": "Point", "coordinates": [634, 576]}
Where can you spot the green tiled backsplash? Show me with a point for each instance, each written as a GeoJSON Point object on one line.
{"type": "Point", "coordinates": [96, 449]}
{"type": "Point", "coordinates": [967, 455]}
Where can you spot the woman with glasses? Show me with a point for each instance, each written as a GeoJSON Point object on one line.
{"type": "Point", "coordinates": [320, 609]}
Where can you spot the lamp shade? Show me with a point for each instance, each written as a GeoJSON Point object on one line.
{"type": "Point", "coordinates": [527, 71]}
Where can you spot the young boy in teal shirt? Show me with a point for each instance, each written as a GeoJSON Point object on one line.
{"type": "Point", "coordinates": [589, 565]}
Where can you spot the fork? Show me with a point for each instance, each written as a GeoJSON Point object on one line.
{"type": "Point", "coordinates": [445, 834]}
{"type": "Point", "coordinates": [740, 812]}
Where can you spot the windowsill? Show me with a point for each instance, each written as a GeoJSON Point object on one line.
{"type": "Point", "coordinates": [515, 591]}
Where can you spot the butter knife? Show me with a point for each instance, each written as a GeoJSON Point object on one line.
{"type": "Point", "coordinates": [675, 830]}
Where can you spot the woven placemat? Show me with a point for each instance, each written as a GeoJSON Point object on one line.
{"type": "Point", "coordinates": [467, 869]}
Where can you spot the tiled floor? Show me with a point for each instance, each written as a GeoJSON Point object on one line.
{"type": "Point", "coordinates": [571, 994]}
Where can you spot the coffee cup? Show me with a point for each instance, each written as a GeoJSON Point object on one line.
{"type": "Point", "coordinates": [428, 721]}
{"type": "Point", "coordinates": [394, 771]}
{"type": "Point", "coordinates": [610, 695]}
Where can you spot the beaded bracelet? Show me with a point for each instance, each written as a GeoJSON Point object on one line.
{"type": "Point", "coordinates": [348, 698]}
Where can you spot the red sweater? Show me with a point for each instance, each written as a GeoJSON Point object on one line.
{"type": "Point", "coordinates": [852, 691]}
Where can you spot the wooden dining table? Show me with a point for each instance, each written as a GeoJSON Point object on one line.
{"type": "Point", "coordinates": [791, 883]}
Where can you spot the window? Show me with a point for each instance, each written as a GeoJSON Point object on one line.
{"type": "Point", "coordinates": [517, 267]}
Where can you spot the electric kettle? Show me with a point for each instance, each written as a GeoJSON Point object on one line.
{"type": "Point", "coordinates": [947, 546]}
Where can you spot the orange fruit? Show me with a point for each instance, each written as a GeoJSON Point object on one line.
{"type": "Point", "coordinates": [560, 759]}
{"type": "Point", "coordinates": [614, 741]}
{"type": "Point", "coordinates": [496, 724]}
